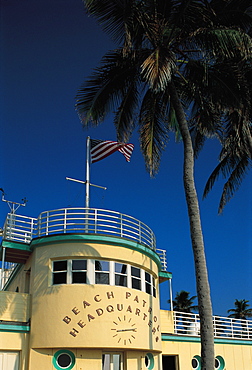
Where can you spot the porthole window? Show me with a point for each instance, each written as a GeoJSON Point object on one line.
{"type": "Point", "coordinates": [63, 359]}
{"type": "Point", "coordinates": [196, 362]}
{"type": "Point", "coordinates": [219, 363]}
{"type": "Point", "coordinates": [149, 361]}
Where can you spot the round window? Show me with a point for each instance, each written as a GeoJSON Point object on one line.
{"type": "Point", "coordinates": [196, 362]}
{"type": "Point", "coordinates": [63, 359]}
{"type": "Point", "coordinates": [219, 363]}
{"type": "Point", "coordinates": [149, 361]}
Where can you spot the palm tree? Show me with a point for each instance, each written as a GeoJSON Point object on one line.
{"type": "Point", "coordinates": [241, 310]}
{"type": "Point", "coordinates": [183, 303]}
{"type": "Point", "coordinates": [167, 73]}
{"type": "Point", "coordinates": [235, 157]}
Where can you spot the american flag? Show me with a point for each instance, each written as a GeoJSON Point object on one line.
{"type": "Point", "coordinates": [101, 149]}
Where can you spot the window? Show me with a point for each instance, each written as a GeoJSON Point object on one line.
{"type": "Point", "coordinates": [59, 272]}
{"type": "Point", "coordinates": [120, 274]}
{"type": "Point", "coordinates": [149, 361]}
{"type": "Point", "coordinates": [136, 278]}
{"type": "Point", "coordinates": [70, 272]}
{"type": "Point", "coordinates": [112, 361]}
{"type": "Point", "coordinates": [9, 360]}
{"type": "Point", "coordinates": [63, 359]}
{"type": "Point", "coordinates": [196, 363]}
{"type": "Point", "coordinates": [102, 272]}
{"type": "Point", "coordinates": [79, 271]}
{"type": "Point", "coordinates": [89, 271]}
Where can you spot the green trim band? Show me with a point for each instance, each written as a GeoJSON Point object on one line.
{"type": "Point", "coordinates": [15, 328]}
{"type": "Point", "coordinates": [16, 245]}
{"type": "Point", "coordinates": [176, 338]}
{"type": "Point", "coordinates": [96, 238]}
{"type": "Point", "coordinates": [165, 274]}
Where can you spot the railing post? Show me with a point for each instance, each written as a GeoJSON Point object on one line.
{"type": "Point", "coordinates": [65, 220]}
{"type": "Point", "coordinates": [47, 223]}
{"type": "Point", "coordinates": [121, 225]}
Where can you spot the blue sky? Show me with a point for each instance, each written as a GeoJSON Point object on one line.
{"type": "Point", "coordinates": [48, 48]}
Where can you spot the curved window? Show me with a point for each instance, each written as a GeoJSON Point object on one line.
{"type": "Point", "coordinates": [196, 362]}
{"type": "Point", "coordinates": [87, 271]}
{"type": "Point", "coordinates": [219, 363]}
{"type": "Point", "coordinates": [149, 361]}
{"type": "Point", "coordinates": [63, 359]}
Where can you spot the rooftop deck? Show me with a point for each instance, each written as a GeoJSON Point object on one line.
{"type": "Point", "coordinates": [23, 229]}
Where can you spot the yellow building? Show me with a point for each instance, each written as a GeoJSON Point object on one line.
{"type": "Point", "coordinates": [80, 290]}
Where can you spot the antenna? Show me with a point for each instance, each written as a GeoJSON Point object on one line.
{"type": "Point", "coordinates": [13, 205]}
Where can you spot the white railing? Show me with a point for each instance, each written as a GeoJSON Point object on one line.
{"type": "Point", "coordinates": [6, 272]}
{"type": "Point", "coordinates": [81, 220]}
{"type": "Point", "coordinates": [162, 256]}
{"type": "Point", "coordinates": [189, 324]}
{"type": "Point", "coordinates": [95, 221]}
{"type": "Point", "coordinates": [19, 228]}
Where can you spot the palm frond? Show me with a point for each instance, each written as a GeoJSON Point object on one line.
{"type": "Point", "coordinates": [124, 116]}
{"type": "Point", "coordinates": [234, 182]}
{"type": "Point", "coordinates": [157, 69]}
{"type": "Point", "coordinates": [153, 133]}
{"type": "Point", "coordinates": [105, 88]}
{"type": "Point", "coordinates": [222, 43]}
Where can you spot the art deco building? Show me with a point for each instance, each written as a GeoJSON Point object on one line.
{"type": "Point", "coordinates": [80, 290]}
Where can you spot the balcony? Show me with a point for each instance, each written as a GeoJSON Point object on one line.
{"type": "Point", "coordinates": [22, 229]}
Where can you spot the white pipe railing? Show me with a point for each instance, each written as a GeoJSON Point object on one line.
{"type": "Point", "coordinates": [81, 220]}
{"type": "Point", "coordinates": [189, 324]}
{"type": "Point", "coordinates": [73, 220]}
{"type": "Point", "coordinates": [19, 228]}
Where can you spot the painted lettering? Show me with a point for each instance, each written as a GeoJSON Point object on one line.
{"type": "Point", "coordinates": [96, 298]}
{"type": "Point", "coordinates": [144, 303]}
{"type": "Point", "coordinates": [74, 332]}
{"type": "Point", "coordinates": [86, 304]}
{"type": "Point", "coordinates": [138, 312]}
{"type": "Point", "coordinates": [110, 295]}
{"type": "Point", "coordinates": [119, 307]}
{"type": "Point", "coordinates": [128, 294]}
{"type": "Point", "coordinates": [67, 319]}
{"type": "Point", "coordinates": [75, 311]}
{"type": "Point", "coordinates": [150, 323]}
{"type": "Point", "coordinates": [99, 311]}
{"type": "Point", "coordinates": [129, 309]}
{"type": "Point", "coordinates": [144, 316]}
{"type": "Point", "coordinates": [90, 317]}
{"type": "Point", "coordinates": [81, 324]}
{"type": "Point", "coordinates": [155, 318]}
{"type": "Point", "coordinates": [136, 299]}
{"type": "Point", "coordinates": [110, 308]}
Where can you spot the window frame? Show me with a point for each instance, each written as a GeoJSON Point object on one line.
{"type": "Point", "coordinates": [145, 277]}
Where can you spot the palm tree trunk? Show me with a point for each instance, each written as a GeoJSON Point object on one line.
{"type": "Point", "coordinates": [203, 289]}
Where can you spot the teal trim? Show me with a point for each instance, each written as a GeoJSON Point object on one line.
{"type": "Point", "coordinates": [165, 274]}
{"type": "Point", "coordinates": [150, 357]}
{"type": "Point", "coordinates": [15, 328]}
{"type": "Point", "coordinates": [57, 355]}
{"type": "Point", "coordinates": [97, 238]}
{"type": "Point", "coordinates": [16, 245]}
{"type": "Point", "coordinates": [221, 361]}
{"type": "Point", "coordinates": [177, 338]}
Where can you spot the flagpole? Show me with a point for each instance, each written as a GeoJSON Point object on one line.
{"type": "Point", "coordinates": [88, 172]}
